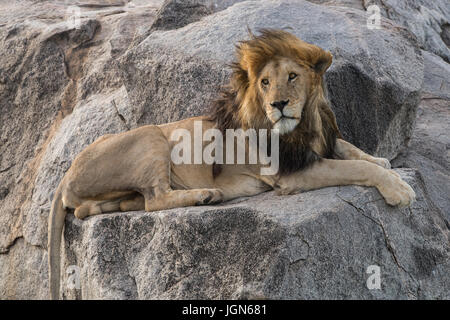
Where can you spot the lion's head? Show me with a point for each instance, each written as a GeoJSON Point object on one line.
{"type": "Point", "coordinates": [277, 84]}
{"type": "Point", "coordinates": [280, 72]}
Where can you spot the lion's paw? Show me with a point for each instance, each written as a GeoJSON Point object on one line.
{"type": "Point", "coordinates": [279, 191]}
{"type": "Point", "coordinates": [285, 189]}
{"type": "Point", "coordinates": [382, 162]}
{"type": "Point", "coordinates": [210, 196]}
{"type": "Point", "coordinates": [395, 191]}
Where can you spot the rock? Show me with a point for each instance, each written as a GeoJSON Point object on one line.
{"type": "Point", "coordinates": [175, 14]}
{"type": "Point", "coordinates": [372, 91]}
{"type": "Point", "coordinates": [62, 86]}
{"type": "Point", "coordinates": [357, 4]}
{"type": "Point", "coordinates": [436, 76]}
{"type": "Point", "coordinates": [429, 21]}
{"type": "Point", "coordinates": [35, 89]}
{"type": "Point", "coordinates": [23, 272]}
{"type": "Point", "coordinates": [99, 116]}
{"type": "Point", "coordinates": [429, 147]}
{"type": "Point", "coordinates": [314, 245]}
{"type": "Point", "coordinates": [429, 151]}
{"type": "Point", "coordinates": [49, 68]}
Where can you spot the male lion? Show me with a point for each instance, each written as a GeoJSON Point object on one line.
{"type": "Point", "coordinates": [276, 84]}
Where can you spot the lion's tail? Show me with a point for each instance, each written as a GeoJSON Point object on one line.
{"type": "Point", "coordinates": [55, 226]}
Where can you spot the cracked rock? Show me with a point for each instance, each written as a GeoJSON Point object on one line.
{"type": "Point", "coordinates": [61, 88]}
{"type": "Point", "coordinates": [314, 245]}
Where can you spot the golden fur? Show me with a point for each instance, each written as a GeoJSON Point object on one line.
{"type": "Point", "coordinates": [276, 83]}
{"type": "Point", "coordinates": [242, 105]}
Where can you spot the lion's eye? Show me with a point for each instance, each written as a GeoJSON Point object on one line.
{"type": "Point", "coordinates": [265, 82]}
{"type": "Point", "coordinates": [292, 76]}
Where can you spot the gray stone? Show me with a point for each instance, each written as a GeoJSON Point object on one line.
{"type": "Point", "coordinates": [35, 89]}
{"type": "Point", "coordinates": [436, 76]}
{"type": "Point", "coordinates": [314, 245]}
{"type": "Point", "coordinates": [48, 69]}
{"type": "Point", "coordinates": [428, 151]}
{"type": "Point", "coordinates": [62, 87]}
{"type": "Point", "coordinates": [23, 272]}
{"type": "Point", "coordinates": [88, 122]}
{"type": "Point", "coordinates": [429, 147]}
{"type": "Point", "coordinates": [428, 20]}
{"type": "Point", "coordinates": [175, 14]}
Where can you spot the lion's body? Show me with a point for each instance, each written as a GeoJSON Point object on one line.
{"type": "Point", "coordinates": [137, 163]}
{"type": "Point", "coordinates": [276, 83]}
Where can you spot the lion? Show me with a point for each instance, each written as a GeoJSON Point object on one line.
{"type": "Point", "coordinates": [276, 84]}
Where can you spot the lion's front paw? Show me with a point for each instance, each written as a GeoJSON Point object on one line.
{"type": "Point", "coordinates": [81, 212]}
{"type": "Point", "coordinates": [282, 191]}
{"type": "Point", "coordinates": [382, 162]}
{"type": "Point", "coordinates": [210, 196]}
{"type": "Point", "coordinates": [285, 187]}
{"type": "Point", "coordinates": [395, 191]}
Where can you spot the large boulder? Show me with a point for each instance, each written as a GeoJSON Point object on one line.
{"type": "Point", "coordinates": [175, 14]}
{"type": "Point", "coordinates": [428, 20]}
{"type": "Point", "coordinates": [49, 67]}
{"type": "Point", "coordinates": [315, 245]}
{"type": "Point", "coordinates": [436, 76]}
{"type": "Point", "coordinates": [62, 86]}
{"type": "Point", "coordinates": [374, 83]}
{"type": "Point", "coordinates": [428, 150]}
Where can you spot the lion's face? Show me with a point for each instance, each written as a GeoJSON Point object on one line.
{"type": "Point", "coordinates": [284, 87]}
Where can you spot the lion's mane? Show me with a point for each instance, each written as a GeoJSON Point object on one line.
{"type": "Point", "coordinates": [240, 106]}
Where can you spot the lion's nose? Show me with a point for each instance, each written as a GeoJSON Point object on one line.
{"type": "Point", "coordinates": [280, 104]}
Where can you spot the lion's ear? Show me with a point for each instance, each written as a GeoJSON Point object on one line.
{"type": "Point", "coordinates": [323, 62]}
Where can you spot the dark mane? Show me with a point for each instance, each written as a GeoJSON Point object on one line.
{"type": "Point", "coordinates": [318, 120]}
{"type": "Point", "coordinates": [224, 111]}
{"type": "Point", "coordinates": [296, 152]}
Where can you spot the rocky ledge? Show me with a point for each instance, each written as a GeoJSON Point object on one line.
{"type": "Point", "coordinates": [314, 245]}
{"type": "Point", "coordinates": [129, 63]}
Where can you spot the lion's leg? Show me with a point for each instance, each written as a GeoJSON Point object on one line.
{"type": "Point", "coordinates": [136, 204]}
{"type": "Point", "coordinates": [346, 151]}
{"type": "Point", "coordinates": [110, 206]}
{"type": "Point", "coordinates": [92, 208]}
{"type": "Point", "coordinates": [172, 199]}
{"type": "Point", "coordinates": [182, 198]}
{"type": "Point", "coordinates": [327, 173]}
{"type": "Point", "coordinates": [156, 188]}
{"type": "Point", "coordinates": [81, 212]}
